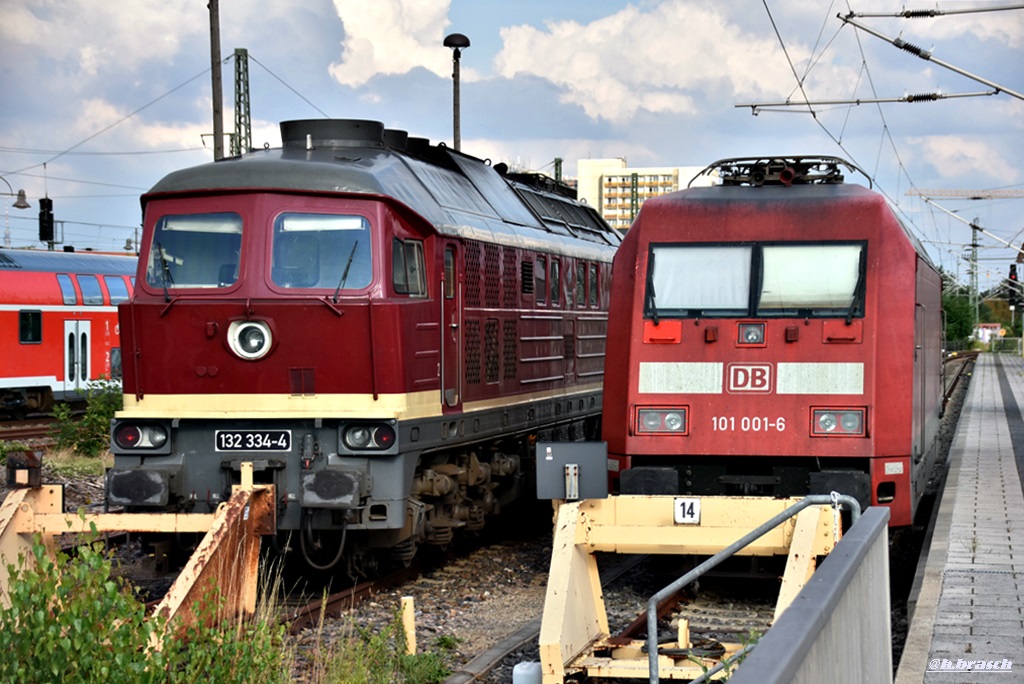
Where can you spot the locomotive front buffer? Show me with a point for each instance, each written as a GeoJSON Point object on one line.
{"type": "Point", "coordinates": [226, 560]}
{"type": "Point", "coordinates": [575, 637]}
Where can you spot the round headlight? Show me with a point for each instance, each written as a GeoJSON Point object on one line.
{"type": "Point", "coordinates": [673, 421]}
{"type": "Point", "coordinates": [651, 420]}
{"type": "Point", "coordinates": [827, 422]}
{"type": "Point", "coordinates": [850, 422]}
{"type": "Point", "coordinates": [358, 437]}
{"type": "Point", "coordinates": [250, 340]}
{"type": "Point", "coordinates": [157, 436]}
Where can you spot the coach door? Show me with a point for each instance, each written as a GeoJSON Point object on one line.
{"type": "Point", "coordinates": [77, 357]}
{"type": "Point", "coordinates": [451, 329]}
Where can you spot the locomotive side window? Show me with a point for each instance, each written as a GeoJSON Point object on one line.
{"type": "Point", "coordinates": [407, 268]}
{"type": "Point", "coordinates": [30, 327]}
{"type": "Point", "coordinates": [92, 295]}
{"type": "Point", "coordinates": [449, 273]}
{"type": "Point", "coordinates": [593, 285]}
{"type": "Point", "coordinates": [321, 251]}
{"type": "Point", "coordinates": [67, 289]}
{"type": "Point", "coordinates": [556, 283]}
{"type": "Point", "coordinates": [195, 250]}
{"type": "Point", "coordinates": [581, 284]}
{"type": "Point", "coordinates": [540, 275]}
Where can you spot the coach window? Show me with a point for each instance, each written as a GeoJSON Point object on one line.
{"type": "Point", "coordinates": [556, 283]}
{"type": "Point", "coordinates": [593, 285]}
{"type": "Point", "coordinates": [67, 289]}
{"type": "Point", "coordinates": [321, 251]}
{"type": "Point", "coordinates": [30, 327]}
{"type": "Point", "coordinates": [407, 267]}
{"type": "Point", "coordinates": [92, 295]}
{"type": "Point", "coordinates": [540, 275]}
{"type": "Point", "coordinates": [116, 288]}
{"type": "Point", "coordinates": [195, 250]}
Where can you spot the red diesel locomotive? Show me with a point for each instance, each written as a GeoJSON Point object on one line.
{"type": "Point", "coordinates": [381, 325]}
{"type": "Point", "coordinates": [777, 334]}
{"type": "Point", "coordinates": [58, 324]}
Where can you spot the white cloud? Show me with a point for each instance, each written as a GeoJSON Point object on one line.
{"type": "Point", "coordinates": [658, 59]}
{"type": "Point", "coordinates": [965, 157]}
{"type": "Point", "coordinates": [391, 37]}
{"type": "Point", "coordinates": [90, 36]}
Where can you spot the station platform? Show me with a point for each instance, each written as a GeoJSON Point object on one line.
{"type": "Point", "coordinates": [967, 623]}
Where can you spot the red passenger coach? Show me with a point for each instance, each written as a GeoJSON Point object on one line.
{"type": "Point", "coordinates": [382, 326]}
{"type": "Point", "coordinates": [58, 324]}
{"type": "Point", "coordinates": [777, 334]}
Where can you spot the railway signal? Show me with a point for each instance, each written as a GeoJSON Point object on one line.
{"type": "Point", "coordinates": [1014, 296]}
{"type": "Point", "coordinates": [45, 219]}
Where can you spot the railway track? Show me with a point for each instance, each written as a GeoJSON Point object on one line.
{"type": "Point", "coordinates": [960, 363]}
{"type": "Point", "coordinates": [38, 430]}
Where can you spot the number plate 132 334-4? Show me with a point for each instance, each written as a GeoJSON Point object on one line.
{"type": "Point", "coordinates": [253, 440]}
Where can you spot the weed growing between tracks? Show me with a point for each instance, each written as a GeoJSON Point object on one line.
{"type": "Point", "coordinates": [90, 435]}
{"type": "Point", "coordinates": [68, 620]}
{"type": "Point", "coordinates": [362, 656]}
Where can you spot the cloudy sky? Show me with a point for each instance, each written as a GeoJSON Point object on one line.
{"type": "Point", "coordinates": [101, 99]}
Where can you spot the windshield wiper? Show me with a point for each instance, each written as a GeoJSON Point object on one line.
{"type": "Point", "coordinates": [165, 272]}
{"type": "Point", "coordinates": [650, 304]}
{"type": "Point", "coordinates": [858, 289]}
{"type": "Point", "coordinates": [344, 275]}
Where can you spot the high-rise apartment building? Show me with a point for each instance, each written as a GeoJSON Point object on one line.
{"type": "Point", "coordinates": [617, 191]}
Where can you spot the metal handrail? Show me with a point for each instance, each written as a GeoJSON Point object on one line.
{"type": "Point", "coordinates": [834, 499]}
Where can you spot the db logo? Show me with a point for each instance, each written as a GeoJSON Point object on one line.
{"type": "Point", "coordinates": [749, 377]}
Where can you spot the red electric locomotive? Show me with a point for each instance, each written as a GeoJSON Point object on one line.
{"type": "Point", "coordinates": [381, 325]}
{"type": "Point", "coordinates": [777, 334]}
{"type": "Point", "coordinates": [58, 324]}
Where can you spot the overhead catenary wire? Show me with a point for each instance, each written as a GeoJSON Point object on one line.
{"type": "Point", "coordinates": [928, 56]}
{"type": "Point", "coordinates": [935, 12]}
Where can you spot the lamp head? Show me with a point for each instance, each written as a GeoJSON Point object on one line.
{"type": "Point", "coordinates": [456, 41]}
{"type": "Point", "coordinates": [21, 202]}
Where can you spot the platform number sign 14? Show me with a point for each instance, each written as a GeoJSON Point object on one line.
{"type": "Point", "coordinates": [687, 511]}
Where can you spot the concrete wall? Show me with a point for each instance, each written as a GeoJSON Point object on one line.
{"type": "Point", "coordinates": [838, 628]}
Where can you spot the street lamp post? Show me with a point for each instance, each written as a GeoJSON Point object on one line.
{"type": "Point", "coordinates": [20, 203]}
{"type": "Point", "coordinates": [457, 42]}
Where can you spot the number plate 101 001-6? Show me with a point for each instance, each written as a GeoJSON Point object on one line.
{"type": "Point", "coordinates": [252, 440]}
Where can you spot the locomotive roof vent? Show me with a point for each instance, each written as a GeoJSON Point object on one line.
{"type": "Point", "coordinates": [756, 171]}
{"type": "Point", "coordinates": [396, 139]}
{"type": "Point", "coordinates": [318, 133]}
{"type": "Point", "coordinates": [419, 146]}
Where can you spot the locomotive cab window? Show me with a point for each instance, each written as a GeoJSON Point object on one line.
{"type": "Point", "coordinates": [195, 250]}
{"type": "Point", "coordinates": [407, 268]}
{"type": "Point", "coordinates": [795, 280]}
{"type": "Point", "coordinates": [321, 251]}
{"type": "Point", "coordinates": [819, 280]}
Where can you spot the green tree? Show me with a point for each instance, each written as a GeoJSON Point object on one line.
{"type": "Point", "coordinates": [959, 317]}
